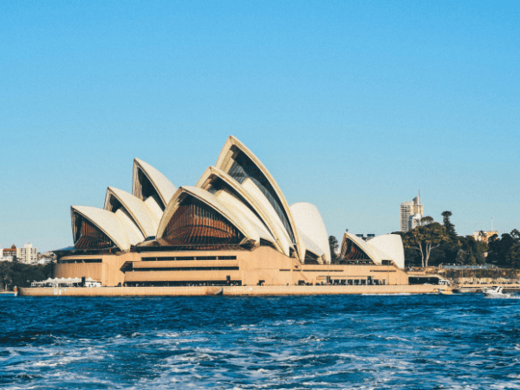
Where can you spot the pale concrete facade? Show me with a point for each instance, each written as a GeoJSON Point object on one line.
{"type": "Point", "coordinates": [5, 257]}
{"type": "Point", "coordinates": [28, 254]}
{"type": "Point", "coordinates": [261, 266]}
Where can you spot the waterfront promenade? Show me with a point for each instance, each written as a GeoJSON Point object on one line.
{"type": "Point", "coordinates": [229, 291]}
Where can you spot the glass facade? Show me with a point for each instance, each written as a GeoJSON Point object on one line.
{"type": "Point", "coordinates": [354, 252]}
{"type": "Point", "coordinates": [195, 225]}
{"type": "Point", "coordinates": [89, 236]}
{"type": "Point", "coordinates": [311, 258]}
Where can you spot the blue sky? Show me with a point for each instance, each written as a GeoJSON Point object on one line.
{"type": "Point", "coordinates": [353, 106]}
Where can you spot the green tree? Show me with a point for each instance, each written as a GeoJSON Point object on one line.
{"type": "Point", "coordinates": [450, 228]}
{"type": "Point", "coordinates": [504, 251]}
{"type": "Point", "coordinates": [424, 239]}
{"type": "Point", "coordinates": [6, 275]}
{"type": "Point", "coordinates": [514, 256]}
{"type": "Point", "coordinates": [21, 275]}
{"type": "Point", "coordinates": [426, 220]}
{"type": "Point", "coordinates": [333, 245]}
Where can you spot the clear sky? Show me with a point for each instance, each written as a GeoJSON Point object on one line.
{"type": "Point", "coordinates": [353, 106]}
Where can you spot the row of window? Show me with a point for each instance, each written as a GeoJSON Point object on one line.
{"type": "Point", "coordinates": [185, 283]}
{"type": "Point", "coordinates": [181, 258]}
{"type": "Point", "coordinates": [186, 269]}
{"type": "Point", "coordinates": [80, 261]}
{"type": "Point", "coordinates": [358, 282]}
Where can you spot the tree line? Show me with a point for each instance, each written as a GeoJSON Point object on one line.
{"type": "Point", "coordinates": [21, 275]}
{"type": "Point", "coordinates": [432, 243]}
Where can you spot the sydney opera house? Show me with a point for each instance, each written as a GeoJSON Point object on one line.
{"type": "Point", "coordinates": [234, 227]}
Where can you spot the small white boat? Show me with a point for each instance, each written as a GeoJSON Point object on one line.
{"type": "Point", "coordinates": [496, 292]}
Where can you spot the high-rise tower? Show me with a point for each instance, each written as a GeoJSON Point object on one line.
{"type": "Point", "coordinates": [411, 213]}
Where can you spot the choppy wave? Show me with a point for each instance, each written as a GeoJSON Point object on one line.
{"type": "Point", "coordinates": [318, 342]}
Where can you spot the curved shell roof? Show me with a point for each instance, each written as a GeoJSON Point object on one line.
{"type": "Point", "coordinates": [385, 247]}
{"type": "Point", "coordinates": [141, 214]}
{"type": "Point", "coordinates": [277, 234]}
{"type": "Point", "coordinates": [106, 221]}
{"type": "Point", "coordinates": [308, 220]}
{"type": "Point", "coordinates": [164, 187]}
{"type": "Point", "coordinates": [239, 188]}
{"type": "Point", "coordinates": [135, 236]}
{"type": "Point", "coordinates": [310, 246]}
{"type": "Point", "coordinates": [391, 245]}
{"type": "Point", "coordinates": [238, 220]}
{"type": "Point", "coordinates": [363, 245]}
{"type": "Point", "coordinates": [225, 162]}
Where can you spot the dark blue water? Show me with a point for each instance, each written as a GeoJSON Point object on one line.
{"type": "Point", "coordinates": [320, 342]}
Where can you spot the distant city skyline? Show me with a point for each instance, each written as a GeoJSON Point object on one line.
{"type": "Point", "coordinates": [27, 254]}
{"type": "Point", "coordinates": [353, 106]}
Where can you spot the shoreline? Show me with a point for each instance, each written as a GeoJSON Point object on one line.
{"type": "Point", "coordinates": [228, 291]}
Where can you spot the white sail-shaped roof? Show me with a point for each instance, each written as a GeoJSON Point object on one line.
{"type": "Point", "coordinates": [391, 245]}
{"type": "Point", "coordinates": [105, 221]}
{"type": "Point", "coordinates": [385, 247]}
{"type": "Point", "coordinates": [232, 203]}
{"type": "Point", "coordinates": [135, 236]}
{"type": "Point", "coordinates": [145, 218]}
{"type": "Point", "coordinates": [164, 187]}
{"type": "Point", "coordinates": [251, 235]}
{"type": "Point", "coordinates": [309, 246]}
{"type": "Point", "coordinates": [363, 245]}
{"type": "Point", "coordinates": [270, 192]}
{"type": "Point", "coordinates": [256, 212]}
{"type": "Point", "coordinates": [309, 221]}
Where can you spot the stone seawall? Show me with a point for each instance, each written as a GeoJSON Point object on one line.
{"type": "Point", "coordinates": [229, 291]}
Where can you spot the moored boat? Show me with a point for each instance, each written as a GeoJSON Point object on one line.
{"type": "Point", "coordinates": [495, 292]}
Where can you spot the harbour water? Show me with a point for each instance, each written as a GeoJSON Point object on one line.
{"type": "Point", "coordinates": [310, 342]}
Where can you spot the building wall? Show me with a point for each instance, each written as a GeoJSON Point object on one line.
{"type": "Point", "coordinates": [410, 213]}
{"type": "Point", "coordinates": [108, 271]}
{"type": "Point", "coordinates": [5, 257]}
{"type": "Point", "coordinates": [486, 236]}
{"type": "Point", "coordinates": [263, 265]}
{"type": "Point", "coordinates": [10, 252]}
{"type": "Point", "coordinates": [406, 212]}
{"type": "Point", "coordinates": [28, 254]}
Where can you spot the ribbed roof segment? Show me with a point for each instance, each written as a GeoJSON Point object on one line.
{"type": "Point", "coordinates": [308, 220]}
{"type": "Point", "coordinates": [145, 219]}
{"type": "Point", "coordinates": [226, 162]}
{"type": "Point", "coordinates": [105, 221]}
{"type": "Point", "coordinates": [385, 247]}
{"type": "Point", "coordinates": [164, 187]}
{"type": "Point", "coordinates": [235, 218]}
{"type": "Point", "coordinates": [258, 215]}
{"type": "Point", "coordinates": [392, 247]}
